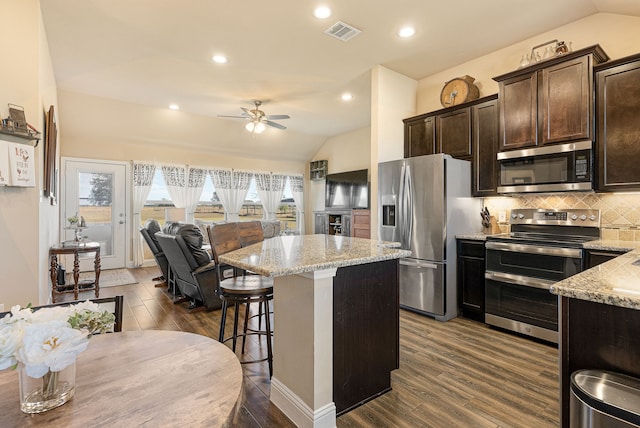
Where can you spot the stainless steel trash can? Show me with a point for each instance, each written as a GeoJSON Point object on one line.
{"type": "Point", "coordinates": [602, 399]}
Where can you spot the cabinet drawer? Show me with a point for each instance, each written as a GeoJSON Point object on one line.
{"type": "Point", "coordinates": [471, 249]}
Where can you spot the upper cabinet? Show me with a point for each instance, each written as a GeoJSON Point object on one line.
{"type": "Point", "coordinates": [467, 131]}
{"type": "Point", "coordinates": [549, 102]}
{"type": "Point", "coordinates": [419, 136]}
{"type": "Point", "coordinates": [618, 124]}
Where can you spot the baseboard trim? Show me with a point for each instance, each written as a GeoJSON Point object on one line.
{"type": "Point", "coordinates": [298, 411]}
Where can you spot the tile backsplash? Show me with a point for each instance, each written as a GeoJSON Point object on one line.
{"type": "Point", "coordinates": [620, 212]}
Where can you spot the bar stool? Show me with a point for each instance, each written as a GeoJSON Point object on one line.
{"type": "Point", "coordinates": [239, 290]}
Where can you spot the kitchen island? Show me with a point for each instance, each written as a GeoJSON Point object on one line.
{"type": "Point", "coordinates": [336, 321]}
{"type": "Point", "coordinates": [599, 322]}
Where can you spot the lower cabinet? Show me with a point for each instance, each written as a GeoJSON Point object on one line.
{"type": "Point", "coordinates": [596, 257]}
{"type": "Point", "coordinates": [332, 223]}
{"type": "Point", "coordinates": [361, 224]}
{"type": "Point", "coordinates": [470, 269]}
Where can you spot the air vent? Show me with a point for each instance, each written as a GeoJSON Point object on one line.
{"type": "Point", "coordinates": [342, 31]}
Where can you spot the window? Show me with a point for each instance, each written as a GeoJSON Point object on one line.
{"type": "Point", "coordinates": [209, 208]}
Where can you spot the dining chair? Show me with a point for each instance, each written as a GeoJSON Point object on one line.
{"type": "Point", "coordinates": [111, 304]}
{"type": "Point", "coordinates": [240, 289]}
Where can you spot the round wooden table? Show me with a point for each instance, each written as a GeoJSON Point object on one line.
{"type": "Point", "coordinates": [152, 378]}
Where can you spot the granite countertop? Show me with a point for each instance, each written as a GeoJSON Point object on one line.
{"type": "Point", "coordinates": [612, 245]}
{"type": "Point", "coordinates": [615, 282]}
{"type": "Point", "coordinates": [480, 236]}
{"type": "Point", "coordinates": [288, 255]}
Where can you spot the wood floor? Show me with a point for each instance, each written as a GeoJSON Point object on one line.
{"type": "Point", "coordinates": [454, 374]}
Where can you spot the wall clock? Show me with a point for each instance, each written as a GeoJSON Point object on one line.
{"type": "Point", "coordinates": [459, 90]}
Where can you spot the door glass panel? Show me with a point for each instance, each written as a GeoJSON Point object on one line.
{"type": "Point", "coordinates": [95, 205]}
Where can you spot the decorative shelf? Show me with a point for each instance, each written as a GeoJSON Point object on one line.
{"type": "Point", "coordinates": [318, 169]}
{"type": "Point", "coordinates": [26, 135]}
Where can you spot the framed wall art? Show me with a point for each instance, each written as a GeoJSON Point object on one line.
{"type": "Point", "coordinates": [50, 147]}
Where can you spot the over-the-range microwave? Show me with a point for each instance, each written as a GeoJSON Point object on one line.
{"type": "Point", "coordinates": [563, 167]}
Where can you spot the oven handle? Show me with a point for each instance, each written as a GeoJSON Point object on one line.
{"type": "Point", "coordinates": [573, 253]}
{"type": "Point", "coordinates": [519, 280]}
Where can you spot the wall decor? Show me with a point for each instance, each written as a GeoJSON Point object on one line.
{"type": "Point", "coordinates": [22, 165]}
{"type": "Point", "coordinates": [50, 170]}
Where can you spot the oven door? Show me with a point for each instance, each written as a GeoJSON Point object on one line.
{"type": "Point", "coordinates": [535, 261]}
{"type": "Point", "coordinates": [521, 304]}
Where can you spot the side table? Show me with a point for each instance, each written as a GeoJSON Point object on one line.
{"type": "Point", "coordinates": [76, 249]}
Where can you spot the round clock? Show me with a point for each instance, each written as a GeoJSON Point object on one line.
{"type": "Point", "coordinates": [459, 90]}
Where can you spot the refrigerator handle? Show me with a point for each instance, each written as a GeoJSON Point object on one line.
{"type": "Point", "coordinates": [408, 200]}
{"type": "Point", "coordinates": [401, 207]}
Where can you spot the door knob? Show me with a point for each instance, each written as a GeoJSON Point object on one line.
{"type": "Point", "coordinates": [121, 221]}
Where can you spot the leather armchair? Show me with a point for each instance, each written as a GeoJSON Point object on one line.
{"type": "Point", "coordinates": [195, 274]}
{"type": "Point", "coordinates": [151, 227]}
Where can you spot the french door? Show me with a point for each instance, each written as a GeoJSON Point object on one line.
{"type": "Point", "coordinates": [97, 192]}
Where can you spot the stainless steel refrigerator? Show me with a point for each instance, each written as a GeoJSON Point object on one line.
{"type": "Point", "coordinates": [423, 203]}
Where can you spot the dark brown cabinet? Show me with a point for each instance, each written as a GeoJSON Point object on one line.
{"type": "Point", "coordinates": [597, 257]}
{"type": "Point", "coordinates": [470, 270]}
{"type": "Point", "coordinates": [549, 102]}
{"type": "Point", "coordinates": [485, 136]}
{"type": "Point", "coordinates": [453, 133]}
{"type": "Point", "coordinates": [419, 136]}
{"type": "Point", "coordinates": [618, 124]}
{"type": "Point", "coordinates": [468, 131]}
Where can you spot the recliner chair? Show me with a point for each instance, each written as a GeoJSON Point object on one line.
{"type": "Point", "coordinates": [148, 231]}
{"type": "Point", "coordinates": [194, 273]}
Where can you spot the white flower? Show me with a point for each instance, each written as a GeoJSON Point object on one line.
{"type": "Point", "coordinates": [50, 346]}
{"type": "Point", "coordinates": [49, 339]}
{"type": "Point", "coordinates": [10, 340]}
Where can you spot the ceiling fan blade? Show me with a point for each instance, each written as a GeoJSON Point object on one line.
{"type": "Point", "coordinates": [235, 117]}
{"type": "Point", "coordinates": [278, 116]}
{"type": "Point", "coordinates": [274, 124]}
{"type": "Point", "coordinates": [247, 111]}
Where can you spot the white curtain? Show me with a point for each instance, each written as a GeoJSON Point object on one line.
{"type": "Point", "coordinates": [297, 187]}
{"type": "Point", "coordinates": [193, 191]}
{"type": "Point", "coordinates": [270, 189]}
{"type": "Point", "coordinates": [142, 179]}
{"type": "Point", "coordinates": [232, 188]}
{"type": "Point", "coordinates": [175, 178]}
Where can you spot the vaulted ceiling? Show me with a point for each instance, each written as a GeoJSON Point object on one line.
{"type": "Point", "coordinates": [158, 52]}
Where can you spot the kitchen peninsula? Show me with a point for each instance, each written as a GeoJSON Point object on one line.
{"type": "Point", "coordinates": [599, 321]}
{"type": "Point", "coordinates": [336, 321]}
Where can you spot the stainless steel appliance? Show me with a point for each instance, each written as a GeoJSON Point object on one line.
{"type": "Point", "coordinates": [423, 203]}
{"type": "Point", "coordinates": [564, 167]}
{"type": "Point", "coordinates": [543, 247]}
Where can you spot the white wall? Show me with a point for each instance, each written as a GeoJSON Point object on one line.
{"type": "Point", "coordinates": [26, 79]}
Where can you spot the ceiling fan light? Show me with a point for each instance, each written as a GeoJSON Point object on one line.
{"type": "Point", "coordinates": [250, 126]}
{"type": "Point", "coordinates": [259, 128]}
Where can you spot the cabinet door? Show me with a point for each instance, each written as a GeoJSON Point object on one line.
{"type": "Point", "coordinates": [321, 224]}
{"type": "Point", "coordinates": [453, 133]}
{"type": "Point", "coordinates": [346, 225]}
{"type": "Point", "coordinates": [471, 269]}
{"type": "Point", "coordinates": [419, 137]}
{"type": "Point", "coordinates": [519, 112]}
{"type": "Point", "coordinates": [565, 101]}
{"type": "Point", "coordinates": [360, 224]}
{"type": "Point", "coordinates": [618, 135]}
{"type": "Point", "coordinates": [485, 137]}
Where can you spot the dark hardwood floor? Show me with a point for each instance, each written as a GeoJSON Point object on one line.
{"type": "Point", "coordinates": [454, 374]}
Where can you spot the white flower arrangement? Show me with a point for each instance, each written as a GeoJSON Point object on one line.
{"type": "Point", "coordinates": [49, 339]}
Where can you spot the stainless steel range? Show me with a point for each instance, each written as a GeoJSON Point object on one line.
{"type": "Point", "coordinates": [544, 246]}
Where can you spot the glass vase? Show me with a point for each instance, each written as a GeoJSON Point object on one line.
{"type": "Point", "coordinates": [47, 392]}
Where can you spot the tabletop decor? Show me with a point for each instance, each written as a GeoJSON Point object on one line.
{"type": "Point", "coordinates": [44, 344]}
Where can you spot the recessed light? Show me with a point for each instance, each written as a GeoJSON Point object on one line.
{"type": "Point", "coordinates": [346, 96]}
{"type": "Point", "coordinates": [406, 32]}
{"type": "Point", "coordinates": [322, 12]}
{"type": "Point", "coordinates": [174, 107]}
{"type": "Point", "coordinates": [219, 59]}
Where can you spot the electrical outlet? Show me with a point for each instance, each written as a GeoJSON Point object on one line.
{"type": "Point", "coordinates": [502, 216]}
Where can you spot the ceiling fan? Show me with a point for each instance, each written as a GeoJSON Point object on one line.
{"type": "Point", "coordinates": [258, 120]}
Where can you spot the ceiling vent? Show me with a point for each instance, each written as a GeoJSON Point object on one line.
{"type": "Point", "coordinates": [342, 31]}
